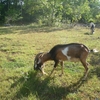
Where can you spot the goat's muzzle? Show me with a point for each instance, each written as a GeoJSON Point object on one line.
{"type": "Point", "coordinates": [38, 67]}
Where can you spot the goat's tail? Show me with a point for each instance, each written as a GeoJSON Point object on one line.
{"type": "Point", "coordinates": [94, 50]}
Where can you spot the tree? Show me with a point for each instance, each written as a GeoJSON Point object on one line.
{"type": "Point", "coordinates": [10, 10]}
{"type": "Point", "coordinates": [94, 9]}
{"type": "Point", "coordinates": [49, 12]}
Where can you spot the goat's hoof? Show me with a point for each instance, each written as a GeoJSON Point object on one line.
{"type": "Point", "coordinates": [84, 79]}
{"type": "Point", "coordinates": [44, 73]}
{"type": "Point", "coordinates": [60, 75]}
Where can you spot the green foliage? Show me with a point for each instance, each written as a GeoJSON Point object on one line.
{"type": "Point", "coordinates": [49, 12]}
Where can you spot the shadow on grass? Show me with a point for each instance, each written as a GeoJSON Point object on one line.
{"type": "Point", "coordinates": [5, 31]}
{"type": "Point", "coordinates": [87, 33]}
{"type": "Point", "coordinates": [46, 90]}
{"type": "Point", "coordinates": [42, 90]}
{"type": "Point", "coordinates": [41, 29]}
{"type": "Point", "coordinates": [27, 29]}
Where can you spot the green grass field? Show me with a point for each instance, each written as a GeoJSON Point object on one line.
{"type": "Point", "coordinates": [19, 81]}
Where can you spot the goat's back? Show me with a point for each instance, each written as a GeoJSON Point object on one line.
{"type": "Point", "coordinates": [67, 51]}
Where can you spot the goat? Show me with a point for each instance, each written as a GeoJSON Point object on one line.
{"type": "Point", "coordinates": [62, 52]}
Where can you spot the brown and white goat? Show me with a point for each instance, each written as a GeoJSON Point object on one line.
{"type": "Point", "coordinates": [59, 53]}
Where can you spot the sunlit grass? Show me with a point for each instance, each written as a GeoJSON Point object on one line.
{"type": "Point", "coordinates": [18, 80]}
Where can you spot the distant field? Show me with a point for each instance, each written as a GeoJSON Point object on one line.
{"type": "Point", "coordinates": [18, 80]}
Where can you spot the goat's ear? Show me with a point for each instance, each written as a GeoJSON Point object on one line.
{"type": "Point", "coordinates": [41, 55]}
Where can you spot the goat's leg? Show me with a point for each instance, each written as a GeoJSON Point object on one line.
{"type": "Point", "coordinates": [42, 70]}
{"type": "Point", "coordinates": [86, 69]}
{"type": "Point", "coordinates": [56, 63]}
{"type": "Point", "coordinates": [43, 73]}
{"type": "Point", "coordinates": [92, 30]}
{"type": "Point", "coordinates": [62, 71]}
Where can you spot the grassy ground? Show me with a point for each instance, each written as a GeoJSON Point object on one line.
{"type": "Point", "coordinates": [18, 80]}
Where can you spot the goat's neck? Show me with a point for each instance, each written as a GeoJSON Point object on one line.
{"type": "Point", "coordinates": [46, 57]}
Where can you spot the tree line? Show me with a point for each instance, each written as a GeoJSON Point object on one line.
{"type": "Point", "coordinates": [49, 12]}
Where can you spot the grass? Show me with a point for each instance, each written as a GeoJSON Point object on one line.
{"type": "Point", "coordinates": [18, 80]}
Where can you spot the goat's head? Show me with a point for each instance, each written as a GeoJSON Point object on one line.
{"type": "Point", "coordinates": [38, 62]}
